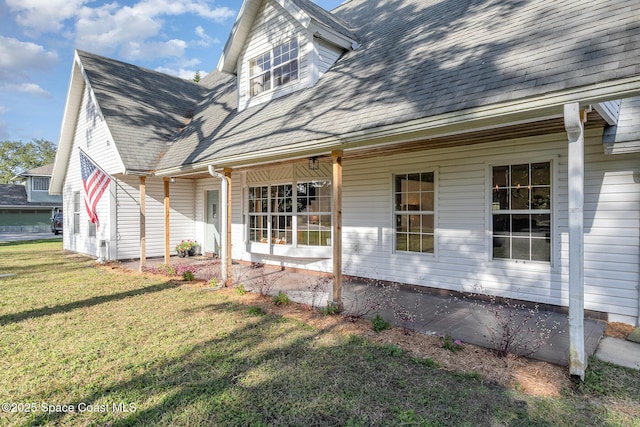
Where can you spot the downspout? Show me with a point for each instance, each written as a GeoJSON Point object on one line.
{"type": "Point", "coordinates": [224, 253]}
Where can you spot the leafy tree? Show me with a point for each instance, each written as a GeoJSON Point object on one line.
{"type": "Point", "coordinates": [196, 77]}
{"type": "Point", "coordinates": [18, 156]}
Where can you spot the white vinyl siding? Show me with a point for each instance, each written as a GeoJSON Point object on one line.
{"type": "Point", "coordinates": [92, 136]}
{"type": "Point", "coordinates": [328, 54]}
{"type": "Point", "coordinates": [462, 259]}
{"type": "Point", "coordinates": [463, 248]}
{"type": "Point", "coordinates": [181, 223]}
{"type": "Point", "coordinates": [612, 232]}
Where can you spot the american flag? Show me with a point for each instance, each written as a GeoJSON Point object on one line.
{"type": "Point", "coordinates": [95, 181]}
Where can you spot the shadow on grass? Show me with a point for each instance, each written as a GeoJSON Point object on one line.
{"type": "Point", "coordinates": [270, 371]}
{"type": "Point", "coordinates": [89, 302]}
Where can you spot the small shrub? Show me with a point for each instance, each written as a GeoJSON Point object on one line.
{"type": "Point", "coordinates": [256, 311]}
{"type": "Point", "coordinates": [181, 269]}
{"type": "Point", "coordinates": [265, 282]}
{"type": "Point", "coordinates": [316, 289]}
{"type": "Point", "coordinates": [517, 329]}
{"type": "Point", "coordinates": [331, 309]}
{"type": "Point", "coordinates": [392, 350]}
{"type": "Point", "coordinates": [406, 315]}
{"type": "Point", "coordinates": [166, 269]}
{"type": "Point", "coordinates": [448, 343]}
{"type": "Point", "coordinates": [213, 282]}
{"type": "Point", "coordinates": [281, 299]}
{"type": "Point", "coordinates": [376, 295]}
{"type": "Point", "coordinates": [240, 290]}
{"type": "Point", "coordinates": [379, 324]}
{"type": "Point", "coordinates": [188, 275]}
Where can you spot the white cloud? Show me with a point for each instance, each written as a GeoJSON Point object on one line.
{"type": "Point", "coordinates": [205, 39]}
{"type": "Point", "coordinates": [112, 27]}
{"type": "Point", "coordinates": [44, 16]}
{"type": "Point", "coordinates": [17, 56]}
{"type": "Point", "coordinates": [170, 49]}
{"type": "Point", "coordinates": [184, 73]}
{"type": "Point", "coordinates": [4, 127]}
{"type": "Point", "coordinates": [30, 88]}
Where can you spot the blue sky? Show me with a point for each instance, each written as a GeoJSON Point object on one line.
{"type": "Point", "coordinates": [38, 38]}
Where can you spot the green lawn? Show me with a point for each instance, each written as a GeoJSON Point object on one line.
{"type": "Point", "coordinates": [134, 349]}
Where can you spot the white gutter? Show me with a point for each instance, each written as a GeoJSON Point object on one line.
{"type": "Point", "coordinates": [224, 253]}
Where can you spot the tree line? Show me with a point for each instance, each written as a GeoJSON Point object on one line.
{"type": "Point", "coordinates": [19, 156]}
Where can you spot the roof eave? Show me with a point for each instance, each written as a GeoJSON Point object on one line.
{"type": "Point", "coordinates": [65, 141]}
{"type": "Point", "coordinates": [237, 36]}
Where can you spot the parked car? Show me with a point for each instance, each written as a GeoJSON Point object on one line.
{"type": "Point", "coordinates": [56, 223]}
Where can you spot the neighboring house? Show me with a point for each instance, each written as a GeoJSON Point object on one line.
{"type": "Point", "coordinates": [27, 205]}
{"type": "Point", "coordinates": [458, 145]}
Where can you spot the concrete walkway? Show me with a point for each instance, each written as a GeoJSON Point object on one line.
{"type": "Point", "coordinates": [470, 321]}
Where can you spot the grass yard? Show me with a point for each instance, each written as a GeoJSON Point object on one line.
{"type": "Point", "coordinates": [88, 345]}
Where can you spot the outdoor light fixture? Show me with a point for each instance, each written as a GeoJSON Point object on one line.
{"type": "Point", "coordinates": [313, 163]}
{"type": "Point", "coordinates": [172, 180]}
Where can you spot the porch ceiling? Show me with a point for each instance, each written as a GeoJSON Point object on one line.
{"type": "Point", "coordinates": [543, 127]}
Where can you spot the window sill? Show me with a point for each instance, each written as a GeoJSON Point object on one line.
{"type": "Point", "coordinates": [290, 251]}
{"type": "Point", "coordinates": [522, 264]}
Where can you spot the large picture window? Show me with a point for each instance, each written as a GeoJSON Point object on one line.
{"type": "Point", "coordinates": [274, 68]}
{"type": "Point", "coordinates": [273, 219]}
{"type": "Point", "coordinates": [414, 212]}
{"type": "Point", "coordinates": [521, 210]}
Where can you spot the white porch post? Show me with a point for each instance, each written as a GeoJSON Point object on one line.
{"type": "Point", "coordinates": [167, 211]}
{"type": "Point", "coordinates": [225, 223]}
{"type": "Point", "coordinates": [574, 125]}
{"type": "Point", "coordinates": [143, 222]}
{"type": "Point", "coordinates": [336, 239]}
{"type": "Point", "coordinates": [227, 260]}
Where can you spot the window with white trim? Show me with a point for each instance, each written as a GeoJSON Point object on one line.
{"type": "Point", "coordinates": [314, 213]}
{"type": "Point", "coordinates": [275, 68]}
{"type": "Point", "coordinates": [272, 219]}
{"type": "Point", "coordinates": [40, 183]}
{"type": "Point", "coordinates": [414, 212]}
{"type": "Point", "coordinates": [76, 212]}
{"type": "Point", "coordinates": [521, 211]}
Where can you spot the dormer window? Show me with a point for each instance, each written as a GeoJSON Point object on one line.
{"type": "Point", "coordinates": [275, 68]}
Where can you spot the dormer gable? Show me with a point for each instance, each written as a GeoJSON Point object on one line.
{"type": "Point", "coordinates": [277, 47]}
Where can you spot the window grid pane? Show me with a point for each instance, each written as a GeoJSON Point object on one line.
{"type": "Point", "coordinates": [265, 74]}
{"type": "Point", "coordinates": [40, 184]}
{"type": "Point", "coordinates": [521, 208]}
{"type": "Point", "coordinates": [414, 200]}
{"type": "Point", "coordinates": [314, 213]}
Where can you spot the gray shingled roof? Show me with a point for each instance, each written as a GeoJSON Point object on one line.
{"type": "Point", "coordinates": [423, 58]}
{"type": "Point", "coordinates": [326, 18]}
{"type": "Point", "coordinates": [45, 170]}
{"type": "Point", "coordinates": [16, 195]}
{"type": "Point", "coordinates": [144, 109]}
{"type": "Point", "coordinates": [13, 195]}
